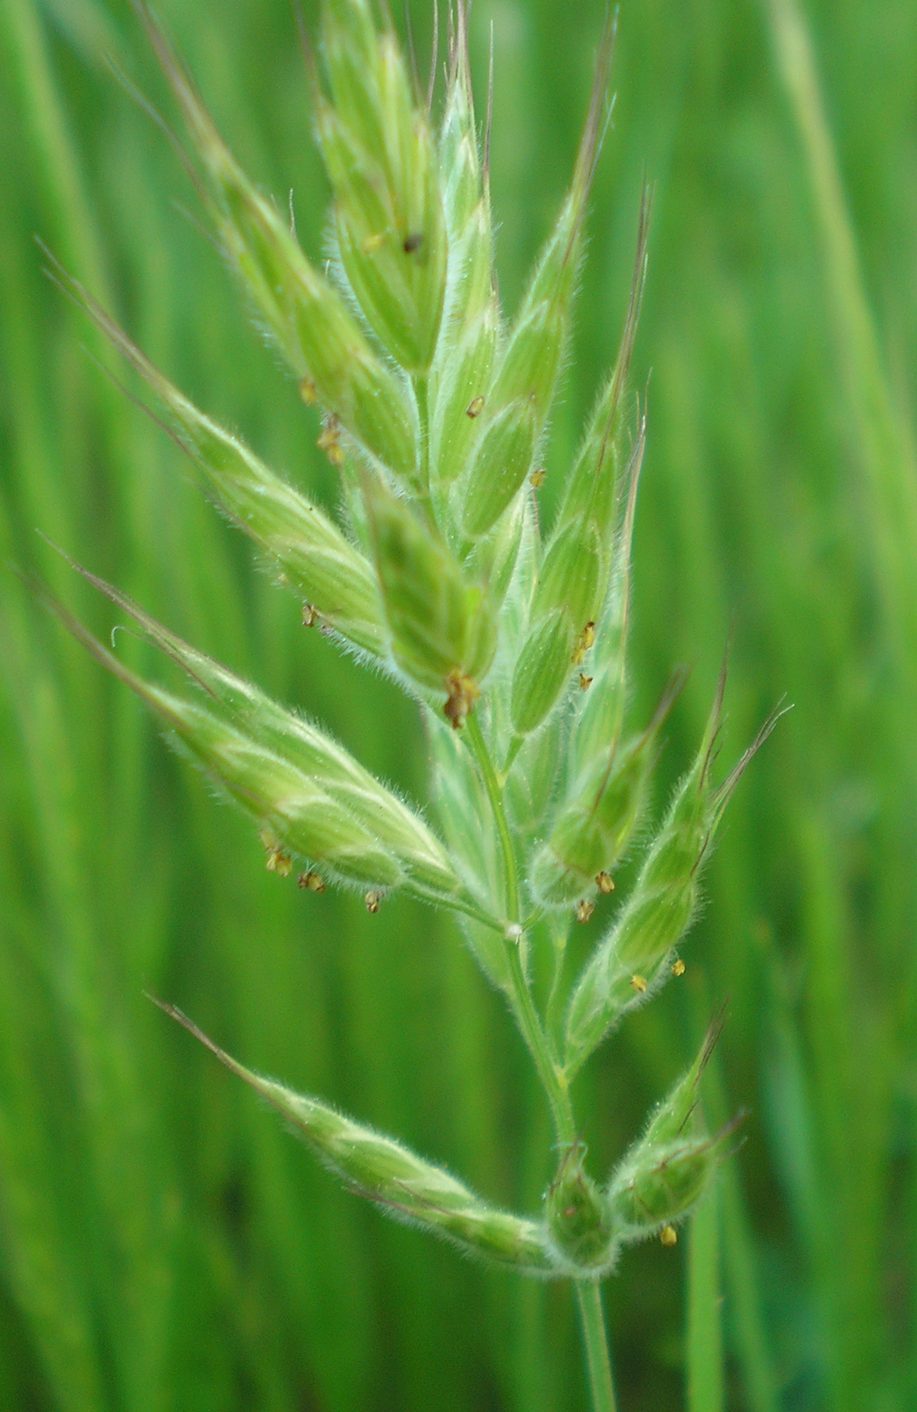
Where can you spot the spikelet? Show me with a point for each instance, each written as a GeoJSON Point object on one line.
{"type": "Point", "coordinates": [443, 634]}
{"type": "Point", "coordinates": [576, 572]}
{"type": "Point", "coordinates": [461, 371]}
{"type": "Point", "coordinates": [312, 555]}
{"type": "Point", "coordinates": [525, 377]}
{"type": "Point", "coordinates": [597, 818]}
{"type": "Point", "coordinates": [381, 160]}
{"type": "Point", "coordinates": [631, 961]}
{"type": "Point", "coordinates": [669, 1169]}
{"type": "Point", "coordinates": [401, 1184]}
{"type": "Point", "coordinates": [314, 328]}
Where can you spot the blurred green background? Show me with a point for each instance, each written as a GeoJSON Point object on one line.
{"type": "Point", "coordinates": [164, 1244]}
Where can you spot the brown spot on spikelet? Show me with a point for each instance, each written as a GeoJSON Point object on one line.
{"type": "Point", "coordinates": [463, 693]}
{"type": "Point", "coordinates": [412, 243]}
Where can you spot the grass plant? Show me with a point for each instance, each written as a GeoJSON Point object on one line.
{"type": "Point", "coordinates": [453, 573]}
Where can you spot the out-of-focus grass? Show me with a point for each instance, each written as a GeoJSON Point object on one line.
{"type": "Point", "coordinates": [163, 1246]}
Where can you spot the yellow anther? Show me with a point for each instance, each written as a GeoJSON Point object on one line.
{"type": "Point", "coordinates": [639, 984]}
{"type": "Point", "coordinates": [584, 910]}
{"type": "Point", "coordinates": [475, 407]}
{"type": "Point", "coordinates": [668, 1235]}
{"type": "Point", "coordinates": [583, 643]}
{"type": "Point", "coordinates": [311, 882]}
{"type": "Point", "coordinates": [604, 882]}
{"type": "Point", "coordinates": [537, 478]}
{"type": "Point", "coordinates": [678, 967]}
{"type": "Point", "coordinates": [279, 862]}
{"type": "Point", "coordinates": [372, 900]}
{"type": "Point", "coordinates": [373, 242]}
{"type": "Point", "coordinates": [308, 392]}
{"type": "Point", "coordinates": [330, 441]}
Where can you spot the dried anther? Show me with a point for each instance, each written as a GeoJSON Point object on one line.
{"type": "Point", "coordinates": [309, 616]}
{"type": "Point", "coordinates": [583, 643]}
{"type": "Point", "coordinates": [537, 478]}
{"type": "Point", "coordinates": [463, 693]}
{"type": "Point", "coordinates": [330, 441]}
{"type": "Point", "coordinates": [584, 681]}
{"type": "Point", "coordinates": [278, 861]}
{"type": "Point", "coordinates": [311, 881]}
{"type": "Point", "coordinates": [373, 901]}
{"type": "Point", "coordinates": [604, 882]}
{"type": "Point", "coordinates": [308, 391]}
{"type": "Point", "coordinates": [475, 407]}
{"type": "Point", "coordinates": [584, 910]}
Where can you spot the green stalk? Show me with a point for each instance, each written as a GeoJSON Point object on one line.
{"type": "Point", "coordinates": [595, 1339]}
{"type": "Point", "coordinates": [553, 1077]}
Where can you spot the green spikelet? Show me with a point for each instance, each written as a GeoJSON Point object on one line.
{"type": "Point", "coordinates": [311, 553]}
{"type": "Point", "coordinates": [632, 961]}
{"type": "Point", "coordinates": [381, 160]}
{"type": "Point", "coordinates": [461, 372]}
{"type": "Point", "coordinates": [400, 1183]}
{"type": "Point", "coordinates": [578, 1218]}
{"type": "Point", "coordinates": [442, 631]}
{"type": "Point", "coordinates": [300, 785]}
{"type": "Point", "coordinates": [517, 406]}
{"type": "Point", "coordinates": [597, 819]}
{"type": "Point", "coordinates": [578, 560]}
{"type": "Point", "coordinates": [319, 336]}
{"type": "Point", "coordinates": [668, 1170]}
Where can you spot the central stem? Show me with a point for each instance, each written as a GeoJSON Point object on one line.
{"type": "Point", "coordinates": [552, 1075]}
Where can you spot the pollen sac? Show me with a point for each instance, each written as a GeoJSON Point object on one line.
{"type": "Point", "coordinates": [579, 1223]}
{"type": "Point", "coordinates": [381, 161]}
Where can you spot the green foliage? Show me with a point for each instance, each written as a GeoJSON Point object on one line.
{"type": "Point", "coordinates": [140, 1197]}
